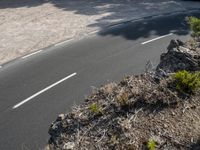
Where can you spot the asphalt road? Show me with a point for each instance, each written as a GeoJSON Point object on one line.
{"type": "Point", "coordinates": [34, 89]}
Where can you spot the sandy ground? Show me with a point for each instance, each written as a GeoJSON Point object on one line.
{"type": "Point", "coordinates": [27, 26]}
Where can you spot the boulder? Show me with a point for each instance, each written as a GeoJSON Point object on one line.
{"type": "Point", "coordinates": [178, 57]}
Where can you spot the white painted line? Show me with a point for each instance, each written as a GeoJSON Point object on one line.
{"type": "Point", "coordinates": [42, 91]}
{"type": "Point", "coordinates": [58, 44]}
{"type": "Point", "coordinates": [116, 25]}
{"type": "Point", "coordinates": [156, 38]}
{"type": "Point", "coordinates": [0, 67]}
{"type": "Point", "coordinates": [31, 54]}
{"type": "Point", "coordinates": [94, 32]}
{"type": "Point", "coordinates": [139, 19]}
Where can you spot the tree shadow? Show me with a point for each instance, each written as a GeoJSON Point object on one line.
{"type": "Point", "coordinates": [151, 26]}
{"type": "Point", "coordinates": [115, 11]}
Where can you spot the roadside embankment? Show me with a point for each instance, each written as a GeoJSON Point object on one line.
{"type": "Point", "coordinates": [155, 110]}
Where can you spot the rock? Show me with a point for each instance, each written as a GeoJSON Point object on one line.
{"type": "Point", "coordinates": [69, 146]}
{"type": "Point", "coordinates": [184, 49]}
{"type": "Point", "coordinates": [180, 43]}
{"type": "Point", "coordinates": [55, 128]}
{"type": "Point", "coordinates": [177, 58]}
{"type": "Point", "coordinates": [149, 66]}
{"type": "Point", "coordinates": [173, 44]}
{"type": "Point", "coordinates": [61, 117]}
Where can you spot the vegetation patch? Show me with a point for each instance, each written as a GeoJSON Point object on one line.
{"type": "Point", "coordinates": [151, 145]}
{"type": "Point", "coordinates": [187, 82]}
{"type": "Point", "coordinates": [194, 23]}
{"type": "Point", "coordinates": [95, 108]}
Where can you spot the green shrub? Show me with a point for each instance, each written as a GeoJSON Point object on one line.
{"type": "Point", "coordinates": [95, 108]}
{"type": "Point", "coordinates": [151, 145]}
{"type": "Point", "coordinates": [187, 82]}
{"type": "Point", "coordinates": [195, 26]}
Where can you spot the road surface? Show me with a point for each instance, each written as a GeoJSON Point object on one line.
{"type": "Point", "coordinates": [37, 87]}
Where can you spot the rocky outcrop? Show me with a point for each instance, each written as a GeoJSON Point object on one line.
{"type": "Point", "coordinates": [178, 57]}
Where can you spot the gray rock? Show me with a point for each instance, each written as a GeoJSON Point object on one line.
{"type": "Point", "coordinates": [69, 146]}
{"type": "Point", "coordinates": [173, 44]}
{"type": "Point", "coordinates": [61, 117]}
{"type": "Point", "coordinates": [177, 58]}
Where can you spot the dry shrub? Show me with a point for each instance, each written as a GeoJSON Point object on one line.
{"type": "Point", "coordinates": [123, 97]}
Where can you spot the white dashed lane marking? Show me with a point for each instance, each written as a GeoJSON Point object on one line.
{"type": "Point", "coordinates": [42, 91]}
{"type": "Point", "coordinates": [61, 43]}
{"type": "Point", "coordinates": [31, 54]}
{"type": "Point", "coordinates": [160, 37]}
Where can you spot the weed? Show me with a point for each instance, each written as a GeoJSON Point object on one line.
{"type": "Point", "coordinates": [187, 82]}
{"type": "Point", "coordinates": [151, 144]}
{"type": "Point", "coordinates": [95, 108]}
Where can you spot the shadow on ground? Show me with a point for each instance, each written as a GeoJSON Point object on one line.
{"type": "Point", "coordinates": [159, 26]}
{"type": "Point", "coordinates": [116, 10]}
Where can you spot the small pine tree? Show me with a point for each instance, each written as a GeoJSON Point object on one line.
{"type": "Point", "coordinates": [187, 82]}
{"type": "Point", "coordinates": [194, 23]}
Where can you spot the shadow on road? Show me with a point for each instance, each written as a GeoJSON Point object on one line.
{"type": "Point", "coordinates": [159, 26]}
{"type": "Point", "coordinates": [116, 10]}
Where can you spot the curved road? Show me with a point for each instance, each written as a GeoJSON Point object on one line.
{"type": "Point", "coordinates": [39, 86]}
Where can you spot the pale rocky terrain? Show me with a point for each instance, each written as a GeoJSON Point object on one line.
{"type": "Point", "coordinates": [27, 26]}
